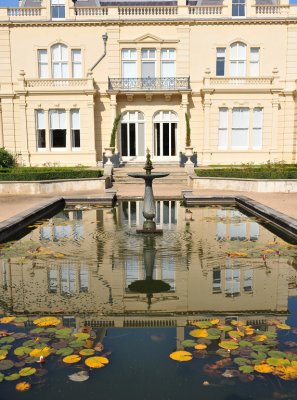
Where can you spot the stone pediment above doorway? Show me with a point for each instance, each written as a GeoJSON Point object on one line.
{"type": "Point", "coordinates": [148, 38]}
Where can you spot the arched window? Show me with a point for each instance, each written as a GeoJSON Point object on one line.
{"type": "Point", "coordinates": [238, 59]}
{"type": "Point", "coordinates": [59, 61]}
{"type": "Point", "coordinates": [132, 134]}
{"type": "Point", "coordinates": [165, 134]}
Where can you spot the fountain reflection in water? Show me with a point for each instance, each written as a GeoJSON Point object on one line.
{"type": "Point", "coordinates": [149, 209]}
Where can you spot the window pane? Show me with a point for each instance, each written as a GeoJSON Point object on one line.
{"type": "Point", "coordinates": [76, 71]}
{"type": "Point", "coordinates": [64, 71]}
{"type": "Point", "coordinates": [41, 143]}
{"type": "Point", "coordinates": [254, 54]}
{"type": "Point", "coordinates": [129, 69]}
{"type": "Point", "coordinates": [54, 119]}
{"type": "Point", "coordinates": [76, 56]}
{"type": "Point", "coordinates": [59, 138]}
{"type": "Point", "coordinates": [168, 69]}
{"type": "Point", "coordinates": [148, 70]}
{"type": "Point", "coordinates": [40, 120]}
{"type": "Point", "coordinates": [141, 140]}
{"type": "Point", "coordinates": [75, 124]}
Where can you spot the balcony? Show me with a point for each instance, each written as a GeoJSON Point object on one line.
{"type": "Point", "coordinates": [149, 84]}
{"type": "Point", "coordinates": [261, 84]}
{"type": "Point", "coordinates": [65, 85]}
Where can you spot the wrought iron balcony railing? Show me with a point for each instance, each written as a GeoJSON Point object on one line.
{"type": "Point", "coordinates": [148, 84]}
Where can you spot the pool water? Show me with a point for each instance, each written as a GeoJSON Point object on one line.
{"type": "Point", "coordinates": [142, 296]}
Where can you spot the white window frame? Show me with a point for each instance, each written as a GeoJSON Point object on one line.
{"type": "Point", "coordinates": [219, 58]}
{"type": "Point", "coordinates": [59, 111]}
{"type": "Point", "coordinates": [238, 3]}
{"type": "Point", "coordinates": [168, 56]}
{"type": "Point", "coordinates": [42, 64]}
{"type": "Point", "coordinates": [73, 129]}
{"type": "Point", "coordinates": [75, 63]}
{"type": "Point", "coordinates": [243, 129]}
{"type": "Point", "coordinates": [58, 4]}
{"type": "Point", "coordinates": [148, 59]}
{"type": "Point", "coordinates": [254, 61]}
{"type": "Point", "coordinates": [237, 60]}
{"type": "Point", "coordinates": [223, 128]}
{"type": "Point", "coordinates": [40, 121]}
{"type": "Point", "coordinates": [60, 61]}
{"type": "Point", "coordinates": [257, 129]}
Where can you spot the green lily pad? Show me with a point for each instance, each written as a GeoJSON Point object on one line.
{"type": "Point", "coordinates": [29, 343]}
{"type": "Point", "coordinates": [189, 343]}
{"type": "Point", "coordinates": [81, 335]}
{"type": "Point", "coordinates": [21, 319]}
{"type": "Point", "coordinates": [1, 377]}
{"type": "Point", "coordinates": [19, 335]}
{"type": "Point", "coordinates": [245, 343]}
{"type": "Point", "coordinates": [37, 330]}
{"type": "Point", "coordinates": [12, 377]}
{"type": "Point", "coordinates": [223, 353]}
{"type": "Point", "coordinates": [65, 351]}
{"type": "Point", "coordinates": [64, 332]}
{"type": "Point", "coordinates": [6, 364]}
{"type": "Point", "coordinates": [247, 369]}
{"type": "Point", "coordinates": [30, 360]}
{"type": "Point", "coordinates": [277, 354]}
{"type": "Point", "coordinates": [77, 343]}
{"type": "Point", "coordinates": [27, 371]}
{"type": "Point", "coordinates": [260, 347]}
{"type": "Point", "coordinates": [6, 347]}
{"type": "Point", "coordinates": [241, 361]}
{"type": "Point", "coordinates": [7, 339]}
{"type": "Point", "coordinates": [213, 337]}
{"type": "Point", "coordinates": [203, 324]}
{"type": "Point", "coordinates": [213, 332]}
{"type": "Point", "coordinates": [258, 355]}
{"type": "Point", "coordinates": [276, 362]}
{"type": "Point", "coordinates": [51, 329]}
{"type": "Point", "coordinates": [22, 351]}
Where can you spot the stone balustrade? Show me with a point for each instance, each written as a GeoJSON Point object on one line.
{"type": "Point", "coordinates": [56, 83]}
{"type": "Point", "coordinates": [246, 81]}
{"type": "Point", "coordinates": [148, 12]}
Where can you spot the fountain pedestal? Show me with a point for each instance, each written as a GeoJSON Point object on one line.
{"type": "Point", "coordinates": [149, 209]}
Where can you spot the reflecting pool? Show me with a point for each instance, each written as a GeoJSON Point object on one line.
{"type": "Point", "coordinates": [215, 278]}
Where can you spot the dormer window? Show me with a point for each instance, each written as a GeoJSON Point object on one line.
{"type": "Point", "coordinates": [58, 9]}
{"type": "Point", "coordinates": [238, 8]}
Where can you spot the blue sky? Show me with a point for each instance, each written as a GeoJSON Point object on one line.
{"type": "Point", "coordinates": [14, 3]}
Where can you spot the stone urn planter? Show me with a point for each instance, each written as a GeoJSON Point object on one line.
{"type": "Point", "coordinates": [108, 154]}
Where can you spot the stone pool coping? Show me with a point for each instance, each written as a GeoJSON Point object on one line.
{"type": "Point", "coordinates": [281, 221]}
{"type": "Point", "coordinates": [12, 226]}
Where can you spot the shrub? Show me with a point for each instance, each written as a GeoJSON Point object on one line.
{"type": "Point", "coordinates": [7, 160]}
{"type": "Point", "coordinates": [254, 173]}
{"type": "Point", "coordinates": [14, 175]}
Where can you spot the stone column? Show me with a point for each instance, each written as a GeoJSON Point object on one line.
{"type": "Point", "coordinates": [1, 129]}
{"type": "Point", "coordinates": [275, 105]}
{"type": "Point", "coordinates": [47, 131]}
{"type": "Point", "coordinates": [22, 145]}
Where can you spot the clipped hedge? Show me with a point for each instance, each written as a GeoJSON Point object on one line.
{"type": "Point", "coordinates": [33, 175]}
{"type": "Point", "coordinates": [255, 173]}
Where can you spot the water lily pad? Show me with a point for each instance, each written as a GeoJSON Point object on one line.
{"type": "Point", "coordinates": [263, 368]}
{"type": "Point", "coordinates": [258, 355]}
{"type": "Point", "coordinates": [260, 338]}
{"type": "Point", "coordinates": [7, 339]}
{"type": "Point", "coordinates": [230, 373]}
{"type": "Point", "coordinates": [213, 337]}
{"type": "Point", "coordinates": [87, 352]}
{"type": "Point", "coordinates": [29, 343]}
{"type": "Point", "coordinates": [81, 335]}
{"type": "Point", "coordinates": [213, 332]}
{"type": "Point", "coordinates": [276, 362]}
{"type": "Point", "coordinates": [260, 347]}
{"type": "Point", "coordinates": [27, 371]}
{"type": "Point", "coordinates": [6, 347]}
{"type": "Point", "coordinates": [3, 354]}
{"type": "Point", "coordinates": [225, 328]}
{"type": "Point", "coordinates": [44, 352]}
{"type": "Point", "coordinates": [12, 377]}
{"type": "Point", "coordinates": [20, 319]}
{"type": "Point", "coordinates": [246, 369]}
{"type": "Point", "coordinates": [1, 377]}
{"type": "Point", "coordinates": [77, 343]}
{"type": "Point", "coordinates": [37, 330]}
{"type": "Point", "coordinates": [30, 360]}
{"type": "Point", "coordinates": [277, 354]}
{"type": "Point", "coordinates": [223, 353]}
{"type": "Point", "coordinates": [188, 343]}
{"type": "Point", "coordinates": [5, 365]}
{"type": "Point", "coordinates": [65, 351]}
{"type": "Point", "coordinates": [283, 326]}
{"type": "Point", "coordinates": [245, 343]}
{"type": "Point", "coordinates": [22, 351]}
{"type": "Point", "coordinates": [62, 333]}
{"type": "Point", "coordinates": [99, 362]}
{"type": "Point", "coordinates": [200, 346]}
{"type": "Point", "coordinates": [228, 345]}
{"type": "Point", "coordinates": [74, 358]}
{"type": "Point", "coordinates": [7, 320]}
{"type": "Point", "coordinates": [47, 321]}
{"type": "Point", "coordinates": [214, 321]}
{"type": "Point", "coordinates": [23, 386]}
{"type": "Point", "coordinates": [19, 335]}
{"type": "Point", "coordinates": [80, 376]}
{"type": "Point", "coordinates": [200, 333]}
{"type": "Point", "coordinates": [241, 361]}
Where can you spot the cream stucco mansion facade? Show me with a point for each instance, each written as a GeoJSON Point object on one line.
{"type": "Point", "coordinates": [67, 69]}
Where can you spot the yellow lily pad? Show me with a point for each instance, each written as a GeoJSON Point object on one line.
{"type": "Point", "coordinates": [181, 356]}
{"type": "Point", "coordinates": [283, 326]}
{"type": "Point", "coordinates": [74, 358]}
{"type": "Point", "coordinates": [45, 352]}
{"type": "Point", "coordinates": [263, 368]}
{"type": "Point", "coordinates": [87, 352]}
{"type": "Point", "coordinates": [96, 362]}
{"type": "Point", "coordinates": [23, 386]}
{"type": "Point", "coordinates": [47, 321]}
{"type": "Point", "coordinates": [200, 346]}
{"type": "Point", "coordinates": [215, 321]}
{"type": "Point", "coordinates": [200, 333]}
{"type": "Point", "coordinates": [7, 320]}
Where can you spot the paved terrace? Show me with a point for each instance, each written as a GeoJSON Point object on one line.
{"type": "Point", "coordinates": [11, 205]}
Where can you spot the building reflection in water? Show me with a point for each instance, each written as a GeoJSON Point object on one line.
{"type": "Point", "coordinates": [80, 264]}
